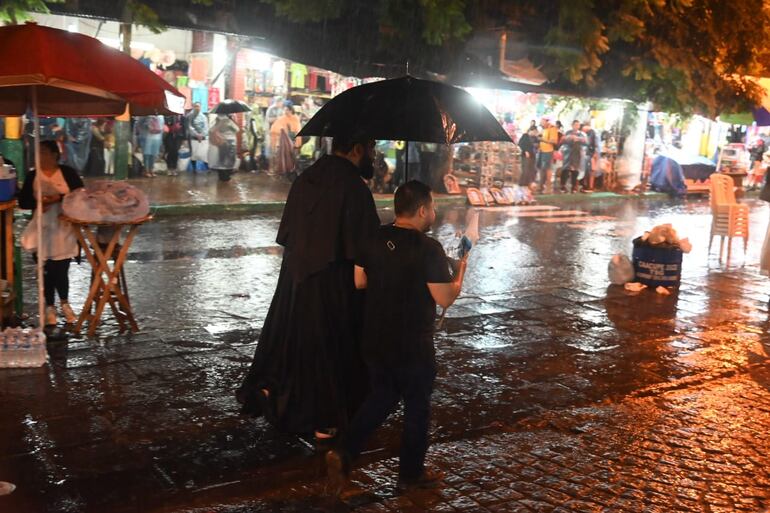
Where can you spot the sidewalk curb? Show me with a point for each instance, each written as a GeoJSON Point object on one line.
{"type": "Point", "coordinates": [261, 207]}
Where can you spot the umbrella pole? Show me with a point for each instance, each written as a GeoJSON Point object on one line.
{"type": "Point", "coordinates": [406, 162]}
{"type": "Point", "coordinates": [38, 212]}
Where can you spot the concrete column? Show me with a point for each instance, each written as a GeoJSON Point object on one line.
{"type": "Point", "coordinates": [122, 127]}
{"type": "Point", "coordinates": [629, 164]}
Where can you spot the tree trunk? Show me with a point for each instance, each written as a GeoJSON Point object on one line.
{"type": "Point", "coordinates": [122, 128]}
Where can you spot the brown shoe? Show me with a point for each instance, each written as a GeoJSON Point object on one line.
{"type": "Point", "coordinates": [428, 479]}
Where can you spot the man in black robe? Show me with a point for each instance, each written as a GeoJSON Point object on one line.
{"type": "Point", "coordinates": [307, 374]}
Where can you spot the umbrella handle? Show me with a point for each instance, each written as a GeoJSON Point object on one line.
{"type": "Point", "coordinates": [38, 210]}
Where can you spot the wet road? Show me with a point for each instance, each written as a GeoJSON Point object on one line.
{"type": "Point", "coordinates": [554, 391]}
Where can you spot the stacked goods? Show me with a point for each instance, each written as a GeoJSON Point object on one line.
{"type": "Point", "coordinates": [22, 348]}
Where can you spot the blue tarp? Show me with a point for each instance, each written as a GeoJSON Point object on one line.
{"type": "Point", "coordinates": [667, 176]}
{"type": "Point", "coordinates": [694, 167]}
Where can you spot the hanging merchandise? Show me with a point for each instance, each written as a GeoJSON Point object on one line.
{"type": "Point", "coordinates": [201, 95]}
{"type": "Point", "coordinates": [279, 73]}
{"type": "Point", "coordinates": [187, 93]}
{"type": "Point", "coordinates": [199, 68]}
{"type": "Point", "coordinates": [298, 74]}
{"type": "Point", "coordinates": [214, 97]}
{"type": "Point", "coordinates": [167, 58]}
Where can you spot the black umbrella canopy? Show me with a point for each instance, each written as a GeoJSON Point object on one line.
{"type": "Point", "coordinates": [407, 109]}
{"type": "Point", "coordinates": [230, 107]}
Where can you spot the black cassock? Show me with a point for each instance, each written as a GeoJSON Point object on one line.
{"type": "Point", "coordinates": [308, 354]}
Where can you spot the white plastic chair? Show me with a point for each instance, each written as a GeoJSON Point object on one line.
{"type": "Point", "coordinates": [729, 218]}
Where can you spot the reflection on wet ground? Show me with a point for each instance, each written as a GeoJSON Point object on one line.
{"type": "Point", "coordinates": [555, 390]}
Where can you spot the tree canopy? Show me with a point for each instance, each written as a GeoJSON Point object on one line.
{"type": "Point", "coordinates": [682, 55]}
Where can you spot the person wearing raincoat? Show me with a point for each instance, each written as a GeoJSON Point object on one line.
{"type": "Point", "coordinates": [282, 132]}
{"type": "Point", "coordinates": [59, 244]}
{"type": "Point", "coordinates": [222, 146]}
{"type": "Point", "coordinates": [573, 149]}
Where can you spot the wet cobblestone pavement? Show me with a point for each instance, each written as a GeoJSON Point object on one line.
{"type": "Point", "coordinates": [555, 392]}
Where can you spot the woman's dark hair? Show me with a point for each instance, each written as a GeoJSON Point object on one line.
{"type": "Point", "coordinates": [51, 146]}
{"type": "Point", "coordinates": [410, 197]}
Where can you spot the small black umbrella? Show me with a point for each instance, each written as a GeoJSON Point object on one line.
{"type": "Point", "coordinates": [230, 107]}
{"type": "Point", "coordinates": [407, 109]}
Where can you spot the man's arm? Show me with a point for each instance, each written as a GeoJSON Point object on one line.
{"type": "Point", "coordinates": [444, 294]}
{"type": "Point", "coordinates": [359, 277]}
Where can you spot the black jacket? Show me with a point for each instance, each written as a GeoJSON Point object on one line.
{"type": "Point", "coordinates": [527, 144]}
{"type": "Point", "coordinates": [26, 196]}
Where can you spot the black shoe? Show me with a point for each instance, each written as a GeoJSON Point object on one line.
{"type": "Point", "coordinates": [337, 471]}
{"type": "Point", "coordinates": [428, 479]}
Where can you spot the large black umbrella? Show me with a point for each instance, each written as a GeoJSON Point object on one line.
{"type": "Point", "coordinates": [230, 107]}
{"type": "Point", "coordinates": [407, 109]}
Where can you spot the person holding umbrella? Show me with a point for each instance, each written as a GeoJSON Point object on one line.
{"type": "Point", "coordinates": [306, 376]}
{"type": "Point", "coordinates": [223, 137]}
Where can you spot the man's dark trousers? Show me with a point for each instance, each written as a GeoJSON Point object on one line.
{"type": "Point", "coordinates": [413, 384]}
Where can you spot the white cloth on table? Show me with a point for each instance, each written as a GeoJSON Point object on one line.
{"type": "Point", "coordinates": [107, 201]}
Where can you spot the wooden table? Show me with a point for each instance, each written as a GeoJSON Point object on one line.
{"type": "Point", "coordinates": [107, 285]}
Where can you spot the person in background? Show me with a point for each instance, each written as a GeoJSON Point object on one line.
{"type": "Point", "coordinates": [528, 145]}
{"type": "Point", "coordinates": [222, 145]}
{"type": "Point", "coordinates": [109, 152]}
{"type": "Point", "coordinates": [274, 111]}
{"type": "Point", "coordinates": [290, 125]}
{"type": "Point", "coordinates": [59, 244]}
{"type": "Point", "coordinates": [405, 274]}
{"type": "Point", "coordinates": [77, 142]}
{"type": "Point", "coordinates": [548, 141]}
{"type": "Point", "coordinates": [173, 135]}
{"type": "Point", "coordinates": [151, 128]}
{"type": "Point", "coordinates": [95, 165]}
{"type": "Point", "coordinates": [756, 169]}
{"type": "Point", "coordinates": [509, 125]}
{"type": "Point", "coordinates": [572, 147]}
{"type": "Point", "coordinates": [255, 136]}
{"type": "Point", "coordinates": [593, 150]}
{"type": "Point", "coordinates": [560, 129]}
{"type": "Point", "coordinates": [197, 129]}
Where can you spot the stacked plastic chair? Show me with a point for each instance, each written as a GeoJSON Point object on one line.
{"type": "Point", "coordinates": [729, 218]}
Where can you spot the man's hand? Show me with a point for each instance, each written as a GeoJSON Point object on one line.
{"type": "Point", "coordinates": [444, 294]}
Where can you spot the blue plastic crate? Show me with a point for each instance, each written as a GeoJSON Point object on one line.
{"type": "Point", "coordinates": [7, 189]}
